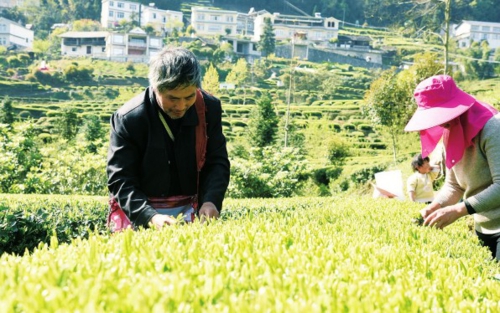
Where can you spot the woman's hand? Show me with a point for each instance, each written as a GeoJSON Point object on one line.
{"type": "Point", "coordinates": [440, 218]}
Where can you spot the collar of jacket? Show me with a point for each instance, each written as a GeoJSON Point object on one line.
{"type": "Point", "coordinates": [189, 119]}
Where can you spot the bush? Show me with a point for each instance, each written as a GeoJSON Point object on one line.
{"type": "Point", "coordinates": [27, 221]}
{"type": "Point", "coordinates": [267, 173]}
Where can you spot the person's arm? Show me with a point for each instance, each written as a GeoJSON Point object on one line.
{"type": "Point", "coordinates": [123, 171]}
{"type": "Point", "coordinates": [214, 177]}
{"type": "Point", "coordinates": [411, 185]}
{"type": "Point", "coordinates": [411, 195]}
{"type": "Point", "coordinates": [489, 143]}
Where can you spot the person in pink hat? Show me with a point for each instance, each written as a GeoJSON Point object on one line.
{"type": "Point", "coordinates": [470, 132]}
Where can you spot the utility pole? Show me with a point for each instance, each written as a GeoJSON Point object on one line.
{"type": "Point", "coordinates": [446, 33]}
{"type": "Point", "coordinates": [289, 96]}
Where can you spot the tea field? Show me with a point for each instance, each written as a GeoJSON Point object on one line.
{"type": "Point", "coordinates": [335, 254]}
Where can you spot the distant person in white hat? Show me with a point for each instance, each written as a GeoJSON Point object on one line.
{"type": "Point", "coordinates": [470, 130]}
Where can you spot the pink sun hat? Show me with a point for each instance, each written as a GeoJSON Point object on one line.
{"type": "Point", "coordinates": [439, 100]}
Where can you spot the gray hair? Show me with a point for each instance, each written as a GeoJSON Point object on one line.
{"type": "Point", "coordinates": [173, 68]}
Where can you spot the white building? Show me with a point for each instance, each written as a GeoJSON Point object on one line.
{"type": "Point", "coordinates": [135, 46]}
{"type": "Point", "coordinates": [15, 36]}
{"type": "Point", "coordinates": [310, 28]}
{"type": "Point", "coordinates": [206, 21]}
{"type": "Point", "coordinates": [17, 3]}
{"type": "Point", "coordinates": [469, 31]}
{"type": "Point", "coordinates": [161, 20]}
{"type": "Point", "coordinates": [112, 12]}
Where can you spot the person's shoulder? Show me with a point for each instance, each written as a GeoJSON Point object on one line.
{"type": "Point", "coordinates": [133, 105]}
{"type": "Point", "coordinates": [209, 98]}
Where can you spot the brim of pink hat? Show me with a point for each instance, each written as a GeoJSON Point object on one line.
{"type": "Point", "coordinates": [427, 117]}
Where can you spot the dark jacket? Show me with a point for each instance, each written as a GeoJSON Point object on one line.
{"type": "Point", "coordinates": [138, 162]}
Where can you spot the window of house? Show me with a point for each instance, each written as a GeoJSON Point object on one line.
{"type": "Point", "coordinates": [3, 41]}
{"type": "Point", "coordinates": [201, 27]}
{"type": "Point", "coordinates": [201, 17]}
{"type": "Point", "coordinates": [229, 19]}
{"type": "Point", "coordinates": [474, 27]}
{"type": "Point", "coordinates": [133, 7]}
{"type": "Point", "coordinates": [120, 15]}
{"type": "Point", "coordinates": [485, 28]}
{"type": "Point", "coordinates": [164, 19]}
{"type": "Point", "coordinates": [215, 17]}
{"type": "Point", "coordinates": [496, 29]}
{"type": "Point", "coordinates": [214, 28]}
{"type": "Point", "coordinates": [73, 49]}
{"type": "Point", "coordinates": [239, 47]}
{"type": "Point", "coordinates": [111, 13]}
{"type": "Point", "coordinates": [154, 16]}
{"type": "Point", "coordinates": [331, 24]}
{"type": "Point", "coordinates": [118, 39]}
{"type": "Point", "coordinates": [255, 47]}
{"type": "Point", "coordinates": [3, 27]}
{"type": "Point", "coordinates": [103, 49]}
{"type": "Point", "coordinates": [118, 51]}
{"type": "Point", "coordinates": [120, 5]}
{"type": "Point", "coordinates": [111, 3]}
{"type": "Point", "coordinates": [154, 42]}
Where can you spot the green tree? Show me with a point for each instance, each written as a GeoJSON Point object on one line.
{"type": "Point", "coordinates": [86, 25]}
{"type": "Point", "coordinates": [496, 58]}
{"type": "Point", "coordinates": [385, 101]}
{"type": "Point", "coordinates": [239, 75]}
{"type": "Point", "coordinates": [267, 42]}
{"type": "Point", "coordinates": [477, 63]}
{"type": "Point", "coordinates": [263, 124]}
{"type": "Point", "coordinates": [67, 123]}
{"type": "Point", "coordinates": [259, 70]}
{"type": "Point", "coordinates": [7, 114]}
{"type": "Point", "coordinates": [389, 102]}
{"type": "Point", "coordinates": [268, 173]}
{"type": "Point", "coordinates": [338, 151]}
{"type": "Point", "coordinates": [211, 80]}
{"type": "Point", "coordinates": [93, 132]}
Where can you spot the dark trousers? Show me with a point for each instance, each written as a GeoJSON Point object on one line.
{"type": "Point", "coordinates": [491, 241]}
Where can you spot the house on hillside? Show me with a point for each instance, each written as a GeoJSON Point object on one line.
{"type": "Point", "coordinates": [469, 31]}
{"type": "Point", "coordinates": [244, 48]}
{"type": "Point", "coordinates": [134, 46]}
{"type": "Point", "coordinates": [311, 29]}
{"type": "Point", "coordinates": [207, 21]}
{"type": "Point", "coordinates": [15, 36]}
{"type": "Point", "coordinates": [6, 4]}
{"type": "Point", "coordinates": [112, 12]}
{"type": "Point", "coordinates": [357, 42]}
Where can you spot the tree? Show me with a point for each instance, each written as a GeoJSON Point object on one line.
{"type": "Point", "coordinates": [7, 114]}
{"type": "Point", "coordinates": [211, 80]}
{"type": "Point", "coordinates": [477, 64]}
{"type": "Point", "coordinates": [67, 123]}
{"type": "Point", "coordinates": [384, 103]}
{"type": "Point", "coordinates": [86, 25]}
{"type": "Point", "coordinates": [264, 123]}
{"type": "Point", "coordinates": [389, 102]}
{"type": "Point", "coordinates": [93, 132]}
{"type": "Point", "coordinates": [239, 75]}
{"type": "Point", "coordinates": [267, 42]}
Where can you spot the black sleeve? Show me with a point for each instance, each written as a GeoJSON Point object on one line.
{"type": "Point", "coordinates": [123, 172]}
{"type": "Point", "coordinates": [469, 207]}
{"type": "Point", "coordinates": [214, 176]}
